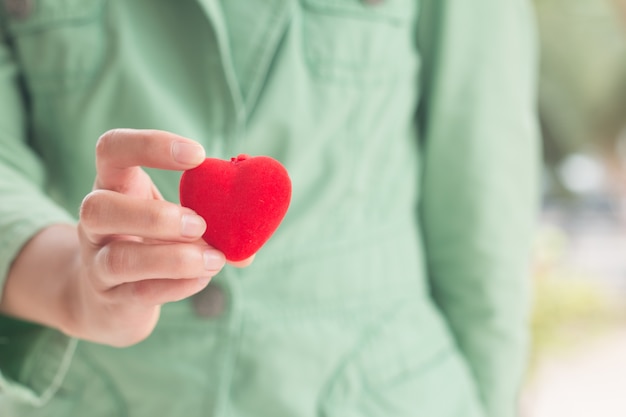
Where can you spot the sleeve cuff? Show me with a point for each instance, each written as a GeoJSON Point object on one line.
{"type": "Point", "coordinates": [45, 358]}
{"type": "Point", "coordinates": [43, 371]}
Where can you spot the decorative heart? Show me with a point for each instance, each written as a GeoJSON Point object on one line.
{"type": "Point", "coordinates": [242, 201]}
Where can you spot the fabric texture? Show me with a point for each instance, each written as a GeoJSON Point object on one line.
{"type": "Point", "coordinates": [397, 283]}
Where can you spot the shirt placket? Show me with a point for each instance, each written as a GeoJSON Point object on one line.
{"type": "Point", "coordinates": [227, 113]}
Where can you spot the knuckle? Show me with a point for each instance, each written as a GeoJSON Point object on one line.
{"type": "Point", "coordinates": [141, 290]}
{"type": "Point", "coordinates": [104, 142]}
{"type": "Point", "coordinates": [147, 292]}
{"type": "Point", "coordinates": [189, 257]}
{"type": "Point", "coordinates": [115, 260]}
{"type": "Point", "coordinates": [90, 209]}
{"type": "Point", "coordinates": [162, 216]}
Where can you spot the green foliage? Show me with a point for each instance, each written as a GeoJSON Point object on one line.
{"type": "Point", "coordinates": [570, 307]}
{"type": "Point", "coordinates": [583, 74]}
{"type": "Point", "coordinates": [569, 310]}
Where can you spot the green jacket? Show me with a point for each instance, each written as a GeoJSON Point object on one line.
{"type": "Point", "coordinates": [397, 283]}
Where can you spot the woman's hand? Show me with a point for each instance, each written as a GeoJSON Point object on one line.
{"type": "Point", "coordinates": [137, 251]}
{"type": "Point", "coordinates": [131, 252]}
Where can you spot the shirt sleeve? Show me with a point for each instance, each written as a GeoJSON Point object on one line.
{"type": "Point", "coordinates": [25, 209]}
{"type": "Point", "coordinates": [479, 136]}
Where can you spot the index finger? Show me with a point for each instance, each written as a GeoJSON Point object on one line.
{"type": "Point", "coordinates": [120, 152]}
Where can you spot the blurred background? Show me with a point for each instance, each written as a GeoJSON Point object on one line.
{"type": "Point", "coordinates": [578, 363]}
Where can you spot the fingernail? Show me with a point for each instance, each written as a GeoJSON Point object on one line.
{"type": "Point", "coordinates": [187, 153]}
{"type": "Point", "coordinates": [213, 260]}
{"type": "Point", "coordinates": [191, 225]}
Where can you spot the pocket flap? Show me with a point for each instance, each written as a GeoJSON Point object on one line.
{"type": "Point", "coordinates": [46, 13]}
{"type": "Point", "coordinates": [393, 10]}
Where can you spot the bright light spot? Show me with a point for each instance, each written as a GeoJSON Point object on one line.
{"type": "Point", "coordinates": [582, 174]}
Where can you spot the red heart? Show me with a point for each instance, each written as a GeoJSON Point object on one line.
{"type": "Point", "coordinates": [242, 201]}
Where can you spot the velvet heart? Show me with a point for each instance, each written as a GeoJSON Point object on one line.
{"type": "Point", "coordinates": [242, 201]}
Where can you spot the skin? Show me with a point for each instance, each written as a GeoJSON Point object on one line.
{"type": "Point", "coordinates": [106, 278]}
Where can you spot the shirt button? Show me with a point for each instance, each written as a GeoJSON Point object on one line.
{"type": "Point", "coordinates": [210, 302]}
{"type": "Point", "coordinates": [19, 9]}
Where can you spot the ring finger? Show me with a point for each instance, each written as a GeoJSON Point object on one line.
{"type": "Point", "coordinates": [122, 261]}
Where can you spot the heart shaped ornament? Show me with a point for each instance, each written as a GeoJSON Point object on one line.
{"type": "Point", "coordinates": [242, 201]}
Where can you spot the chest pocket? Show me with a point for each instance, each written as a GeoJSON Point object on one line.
{"type": "Point", "coordinates": [59, 44]}
{"type": "Point", "coordinates": [359, 41]}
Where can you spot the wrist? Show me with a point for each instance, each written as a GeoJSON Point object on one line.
{"type": "Point", "coordinates": [38, 285]}
{"type": "Point", "coordinates": [68, 311]}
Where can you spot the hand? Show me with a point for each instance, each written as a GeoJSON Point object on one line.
{"type": "Point", "coordinates": [137, 251]}
{"type": "Point", "coordinates": [105, 279]}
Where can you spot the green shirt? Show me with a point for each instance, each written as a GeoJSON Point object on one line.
{"type": "Point", "coordinates": [397, 284]}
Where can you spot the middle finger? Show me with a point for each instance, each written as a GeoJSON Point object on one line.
{"type": "Point", "coordinates": [104, 213]}
{"type": "Point", "coordinates": [123, 261]}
